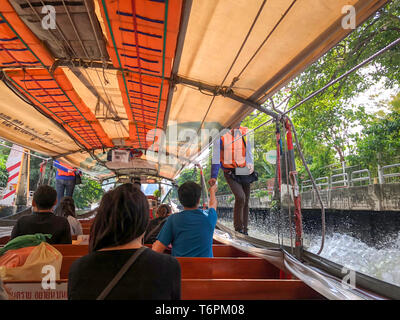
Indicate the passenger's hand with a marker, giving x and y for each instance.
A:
(213, 188)
(212, 181)
(250, 166)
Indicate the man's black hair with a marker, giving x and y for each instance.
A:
(189, 194)
(45, 197)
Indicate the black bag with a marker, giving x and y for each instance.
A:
(78, 179)
(243, 179)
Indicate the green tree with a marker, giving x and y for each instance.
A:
(87, 193)
(379, 141)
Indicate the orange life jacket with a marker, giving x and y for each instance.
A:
(66, 173)
(233, 153)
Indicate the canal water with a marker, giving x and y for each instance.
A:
(378, 257)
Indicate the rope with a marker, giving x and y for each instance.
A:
(266, 39)
(233, 63)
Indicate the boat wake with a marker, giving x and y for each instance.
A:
(382, 263)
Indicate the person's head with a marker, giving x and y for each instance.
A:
(136, 182)
(44, 198)
(163, 211)
(122, 217)
(189, 194)
(67, 207)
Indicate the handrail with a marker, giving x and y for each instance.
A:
(307, 186)
(345, 180)
(359, 172)
(322, 184)
(390, 175)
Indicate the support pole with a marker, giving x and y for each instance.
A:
(296, 191)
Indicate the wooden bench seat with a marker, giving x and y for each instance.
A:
(210, 268)
(219, 250)
(246, 289)
(191, 289)
(4, 240)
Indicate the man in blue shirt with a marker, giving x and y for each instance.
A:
(191, 231)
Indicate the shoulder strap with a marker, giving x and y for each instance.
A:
(121, 273)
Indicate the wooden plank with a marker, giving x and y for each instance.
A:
(219, 250)
(222, 250)
(246, 289)
(192, 289)
(72, 249)
(227, 268)
(4, 240)
(210, 268)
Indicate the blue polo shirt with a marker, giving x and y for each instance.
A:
(190, 232)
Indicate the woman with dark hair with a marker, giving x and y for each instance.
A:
(118, 266)
(66, 208)
(156, 224)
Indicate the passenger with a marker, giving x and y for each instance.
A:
(117, 234)
(66, 209)
(137, 183)
(190, 232)
(156, 224)
(42, 220)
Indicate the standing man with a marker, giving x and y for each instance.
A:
(65, 180)
(236, 160)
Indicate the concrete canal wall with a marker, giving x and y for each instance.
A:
(376, 197)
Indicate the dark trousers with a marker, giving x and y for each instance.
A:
(64, 188)
(241, 208)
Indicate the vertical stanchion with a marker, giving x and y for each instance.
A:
(296, 191)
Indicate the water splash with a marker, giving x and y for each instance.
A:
(352, 253)
(382, 263)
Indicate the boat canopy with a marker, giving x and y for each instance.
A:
(81, 78)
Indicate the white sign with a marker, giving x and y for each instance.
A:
(120, 156)
(270, 156)
(34, 291)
